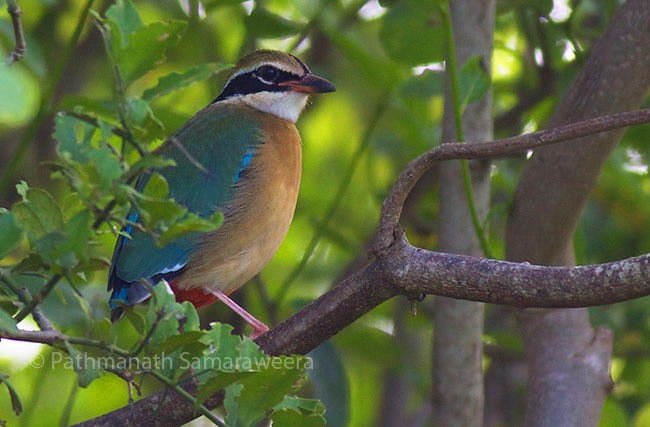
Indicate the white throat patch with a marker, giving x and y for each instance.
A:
(287, 105)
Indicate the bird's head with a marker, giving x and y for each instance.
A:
(274, 82)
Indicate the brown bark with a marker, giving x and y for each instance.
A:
(567, 357)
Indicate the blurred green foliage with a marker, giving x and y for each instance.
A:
(83, 127)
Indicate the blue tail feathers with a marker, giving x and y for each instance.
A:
(127, 294)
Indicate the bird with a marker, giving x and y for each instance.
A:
(240, 155)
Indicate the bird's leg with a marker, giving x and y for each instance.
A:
(258, 327)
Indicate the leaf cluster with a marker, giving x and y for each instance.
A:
(103, 152)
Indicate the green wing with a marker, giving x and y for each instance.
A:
(209, 151)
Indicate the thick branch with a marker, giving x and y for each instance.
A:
(520, 284)
(408, 270)
(402, 269)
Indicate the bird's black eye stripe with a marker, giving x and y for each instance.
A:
(265, 78)
(267, 74)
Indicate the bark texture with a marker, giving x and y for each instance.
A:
(569, 361)
(458, 325)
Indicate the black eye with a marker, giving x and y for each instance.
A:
(267, 74)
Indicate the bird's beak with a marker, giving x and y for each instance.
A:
(310, 83)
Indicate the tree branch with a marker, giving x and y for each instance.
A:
(408, 270)
(392, 206)
(21, 46)
(402, 269)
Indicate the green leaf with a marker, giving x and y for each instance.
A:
(31, 263)
(216, 380)
(137, 320)
(157, 215)
(175, 81)
(225, 344)
(143, 120)
(156, 187)
(68, 248)
(87, 369)
(71, 205)
(178, 342)
(85, 306)
(146, 48)
(21, 189)
(137, 48)
(89, 162)
(473, 80)
(66, 130)
(38, 214)
(412, 32)
(267, 388)
(103, 329)
(10, 232)
(163, 315)
(151, 162)
(167, 219)
(138, 110)
(223, 364)
(289, 418)
(16, 405)
(125, 20)
(231, 405)
(296, 411)
(47, 248)
(79, 232)
(251, 351)
(7, 323)
(264, 24)
(302, 404)
(191, 224)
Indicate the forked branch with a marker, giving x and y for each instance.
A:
(399, 268)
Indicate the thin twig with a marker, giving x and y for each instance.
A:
(39, 317)
(176, 142)
(21, 45)
(95, 122)
(54, 337)
(145, 341)
(38, 298)
(14, 286)
(119, 89)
